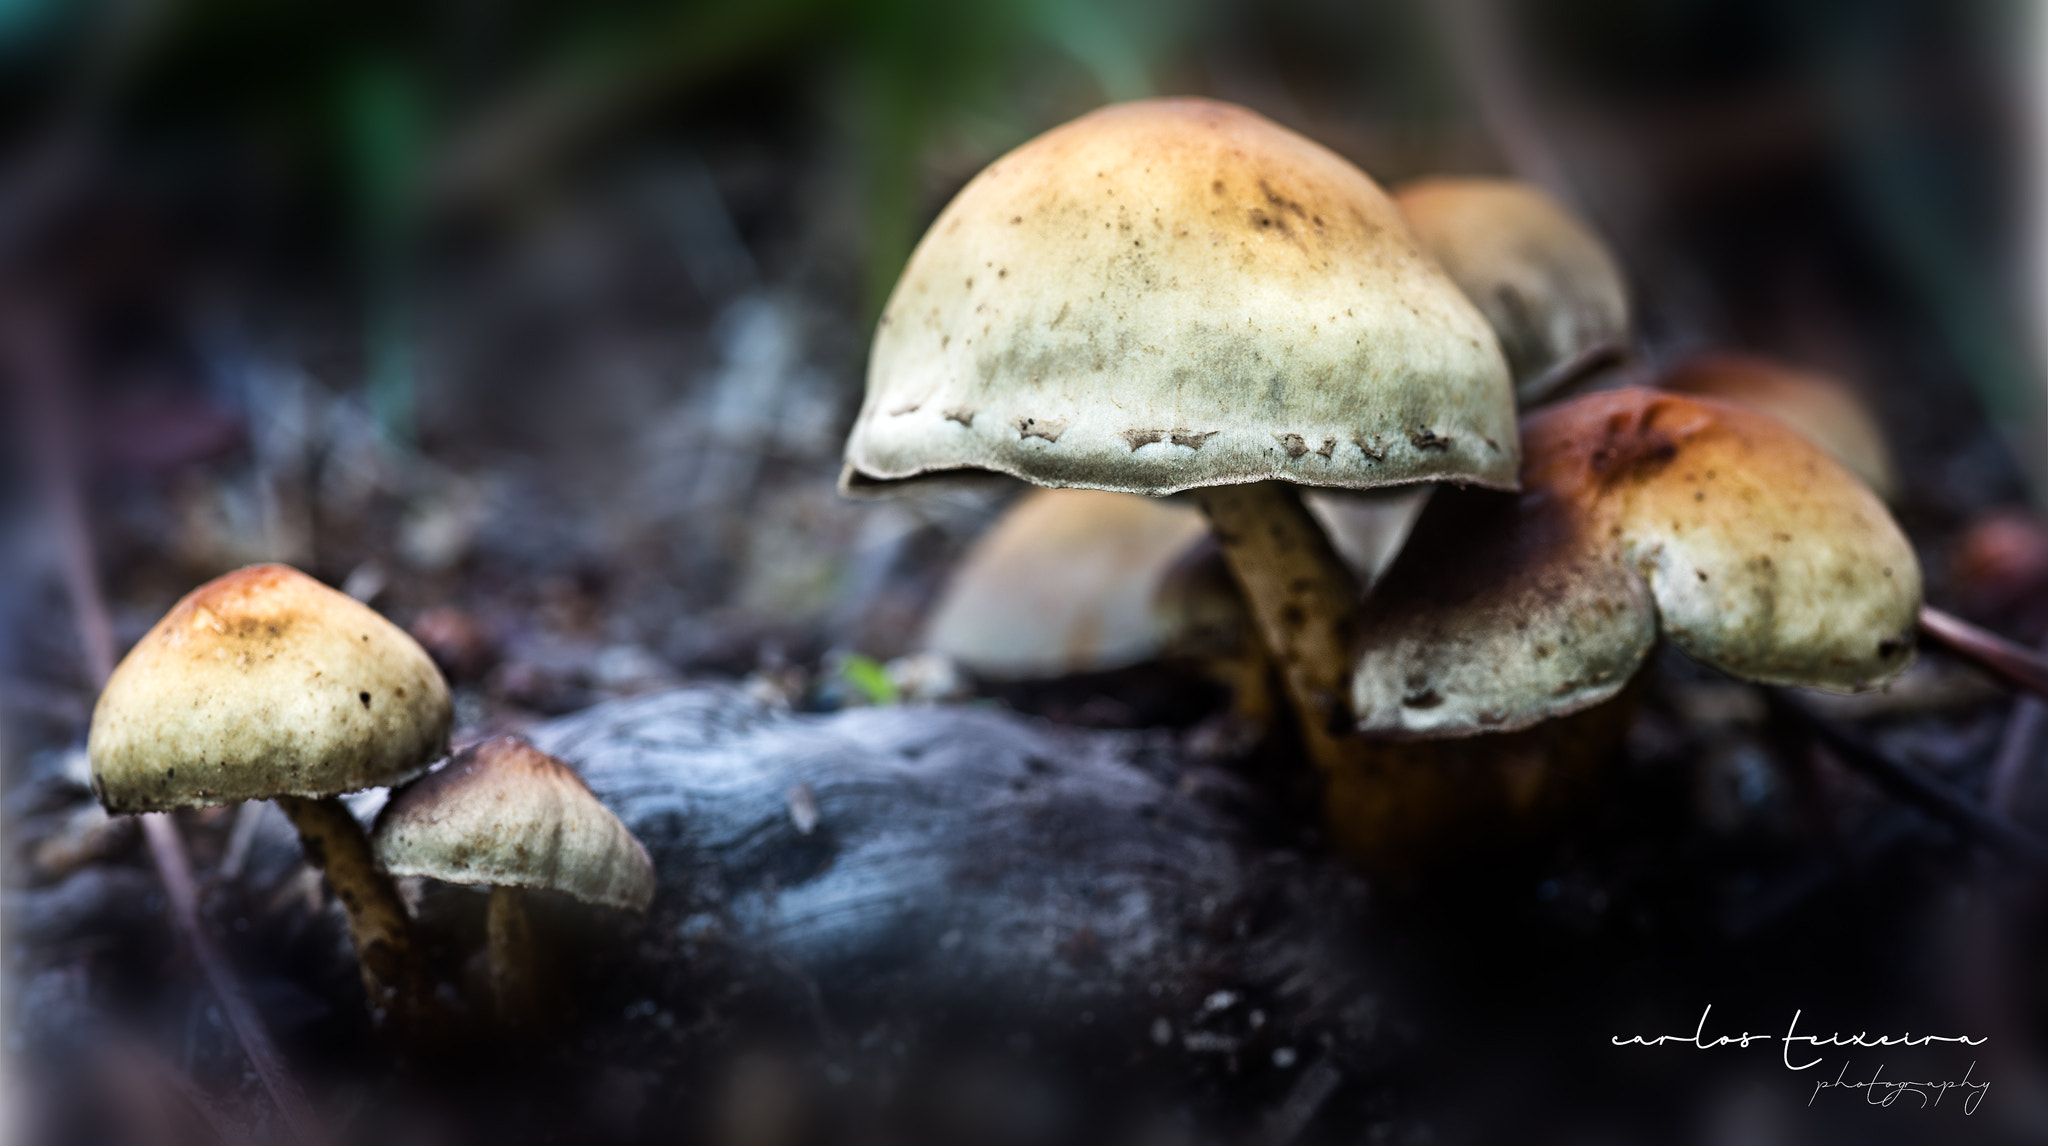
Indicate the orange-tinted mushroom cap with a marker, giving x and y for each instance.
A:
(1736, 538)
(1813, 404)
(260, 683)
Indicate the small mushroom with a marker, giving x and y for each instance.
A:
(265, 684)
(1817, 406)
(1081, 581)
(1178, 294)
(505, 815)
(1642, 515)
(1553, 293)
(1064, 583)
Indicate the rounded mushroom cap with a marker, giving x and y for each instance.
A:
(1063, 583)
(1543, 280)
(1817, 406)
(505, 814)
(1747, 546)
(1177, 293)
(264, 682)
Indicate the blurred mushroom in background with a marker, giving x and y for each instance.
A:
(1551, 290)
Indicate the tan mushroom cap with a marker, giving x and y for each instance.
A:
(1747, 546)
(1177, 293)
(505, 814)
(1078, 580)
(1544, 281)
(260, 683)
(1813, 404)
(1063, 583)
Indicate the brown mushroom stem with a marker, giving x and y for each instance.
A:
(1302, 598)
(509, 941)
(2015, 664)
(334, 842)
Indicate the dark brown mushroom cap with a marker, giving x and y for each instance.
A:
(1740, 541)
(505, 814)
(264, 682)
(1177, 293)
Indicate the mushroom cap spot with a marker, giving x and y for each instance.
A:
(505, 814)
(1746, 545)
(253, 686)
(1548, 286)
(1821, 408)
(1180, 265)
(1063, 583)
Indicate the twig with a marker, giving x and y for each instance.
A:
(2015, 664)
(32, 355)
(1914, 786)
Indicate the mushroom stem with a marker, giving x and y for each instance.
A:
(509, 939)
(2015, 664)
(1302, 598)
(335, 843)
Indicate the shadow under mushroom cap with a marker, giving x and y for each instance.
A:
(1739, 541)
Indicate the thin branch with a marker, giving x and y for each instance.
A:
(2015, 664)
(1915, 786)
(33, 356)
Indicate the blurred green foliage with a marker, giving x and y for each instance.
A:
(398, 114)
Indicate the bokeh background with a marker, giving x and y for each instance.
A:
(540, 325)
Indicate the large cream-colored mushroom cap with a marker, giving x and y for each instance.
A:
(1744, 544)
(1817, 406)
(1177, 293)
(262, 683)
(505, 814)
(1544, 281)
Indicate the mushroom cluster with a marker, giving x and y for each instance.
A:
(1178, 295)
(265, 684)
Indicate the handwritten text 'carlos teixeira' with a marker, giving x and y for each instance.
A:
(1891, 1091)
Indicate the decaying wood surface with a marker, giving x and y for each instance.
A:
(931, 848)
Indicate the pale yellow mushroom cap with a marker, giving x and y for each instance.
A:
(1744, 544)
(1544, 281)
(1064, 583)
(505, 814)
(1177, 293)
(1081, 580)
(262, 683)
(1819, 407)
